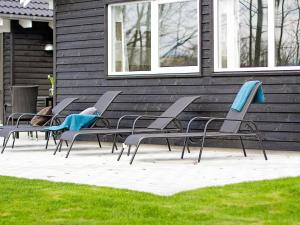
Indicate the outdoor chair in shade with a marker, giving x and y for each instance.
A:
(11, 130)
(161, 123)
(23, 100)
(230, 128)
(101, 105)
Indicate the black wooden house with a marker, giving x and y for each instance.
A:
(156, 51)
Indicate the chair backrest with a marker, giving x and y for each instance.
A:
(62, 105)
(173, 111)
(105, 100)
(230, 126)
(24, 99)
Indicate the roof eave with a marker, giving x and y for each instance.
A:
(33, 18)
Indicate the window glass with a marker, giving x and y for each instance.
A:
(253, 31)
(131, 37)
(153, 37)
(178, 34)
(257, 34)
(287, 24)
(242, 33)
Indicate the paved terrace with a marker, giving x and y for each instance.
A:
(155, 170)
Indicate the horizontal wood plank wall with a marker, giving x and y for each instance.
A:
(6, 70)
(81, 56)
(31, 64)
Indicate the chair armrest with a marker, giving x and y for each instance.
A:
(212, 119)
(124, 117)
(11, 117)
(32, 115)
(152, 117)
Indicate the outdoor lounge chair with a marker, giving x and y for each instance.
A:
(160, 124)
(101, 105)
(9, 130)
(230, 128)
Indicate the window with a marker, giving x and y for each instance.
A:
(257, 34)
(152, 37)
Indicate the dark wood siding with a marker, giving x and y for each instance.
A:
(27, 63)
(80, 72)
(6, 68)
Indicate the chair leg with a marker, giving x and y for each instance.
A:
(243, 146)
(169, 146)
(47, 141)
(99, 142)
(58, 147)
(14, 140)
(134, 153)
(36, 135)
(188, 148)
(67, 144)
(5, 144)
(114, 146)
(184, 147)
(201, 149)
(121, 153)
(54, 139)
(262, 146)
(70, 148)
(129, 148)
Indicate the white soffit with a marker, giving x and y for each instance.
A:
(51, 25)
(26, 2)
(4, 25)
(25, 23)
(51, 4)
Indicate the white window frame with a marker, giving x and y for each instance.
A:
(271, 44)
(155, 69)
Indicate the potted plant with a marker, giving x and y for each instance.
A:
(52, 82)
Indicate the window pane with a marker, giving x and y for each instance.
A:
(287, 31)
(178, 34)
(131, 37)
(242, 33)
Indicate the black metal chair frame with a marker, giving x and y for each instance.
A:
(101, 105)
(7, 131)
(188, 135)
(119, 132)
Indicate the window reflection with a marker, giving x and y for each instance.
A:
(287, 31)
(178, 34)
(131, 37)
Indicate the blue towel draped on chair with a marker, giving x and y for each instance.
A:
(75, 122)
(245, 92)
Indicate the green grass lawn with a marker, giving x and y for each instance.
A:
(33, 202)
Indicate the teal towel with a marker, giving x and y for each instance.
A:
(75, 122)
(244, 93)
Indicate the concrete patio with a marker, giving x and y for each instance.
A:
(155, 170)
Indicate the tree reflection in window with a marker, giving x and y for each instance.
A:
(287, 31)
(253, 33)
(132, 37)
(178, 34)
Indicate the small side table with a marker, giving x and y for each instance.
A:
(48, 100)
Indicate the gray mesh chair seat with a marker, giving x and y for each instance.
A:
(136, 138)
(160, 124)
(230, 128)
(70, 135)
